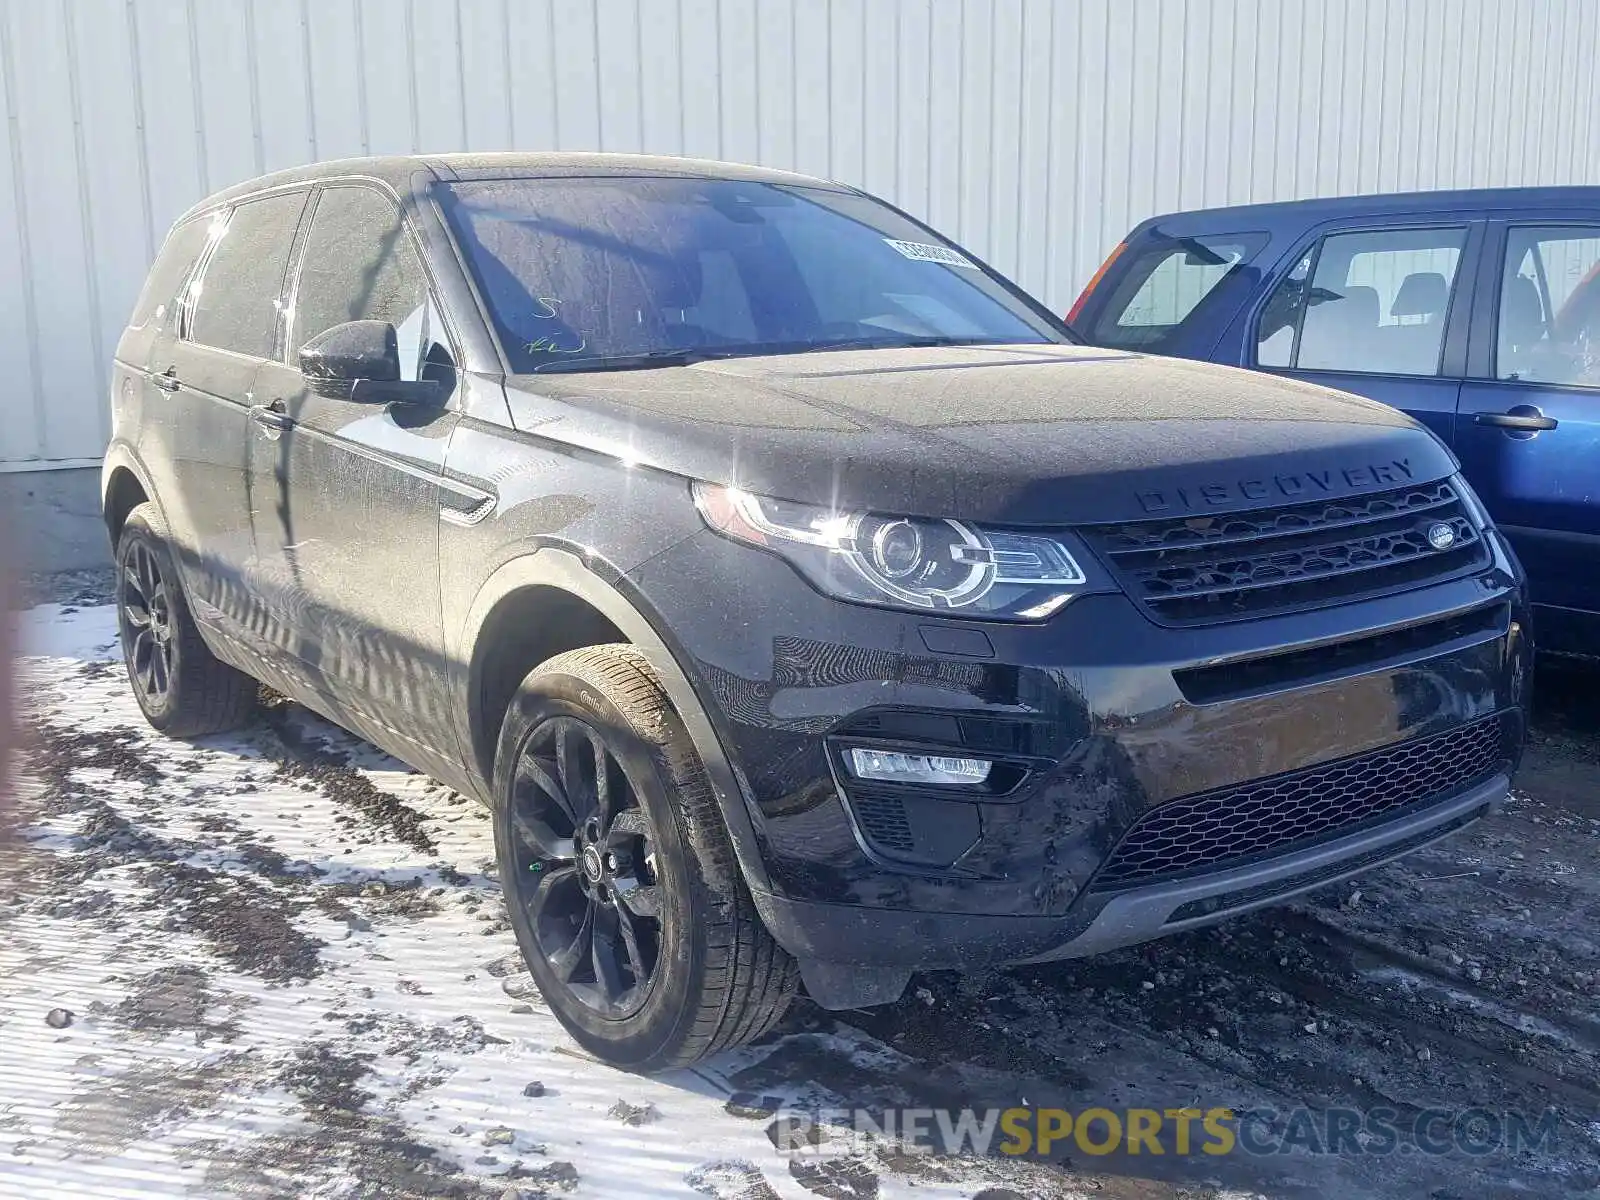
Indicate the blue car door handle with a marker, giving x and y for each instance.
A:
(1522, 422)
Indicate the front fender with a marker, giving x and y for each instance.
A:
(563, 570)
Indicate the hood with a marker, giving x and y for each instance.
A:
(1021, 435)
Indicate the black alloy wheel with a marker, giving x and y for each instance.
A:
(144, 607)
(180, 686)
(586, 872)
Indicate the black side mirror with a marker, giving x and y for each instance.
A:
(360, 361)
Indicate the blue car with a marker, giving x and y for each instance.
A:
(1476, 312)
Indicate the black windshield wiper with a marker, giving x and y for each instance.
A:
(667, 356)
(1197, 254)
(897, 343)
(683, 356)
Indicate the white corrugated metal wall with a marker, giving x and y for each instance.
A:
(1035, 131)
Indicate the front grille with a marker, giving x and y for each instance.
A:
(1271, 816)
(1196, 570)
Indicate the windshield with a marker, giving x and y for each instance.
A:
(578, 272)
(1165, 287)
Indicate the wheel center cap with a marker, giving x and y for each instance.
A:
(593, 866)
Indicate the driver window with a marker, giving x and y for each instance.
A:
(360, 264)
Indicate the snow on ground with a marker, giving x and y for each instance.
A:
(277, 964)
(68, 633)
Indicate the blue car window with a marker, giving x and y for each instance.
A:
(1549, 319)
(1373, 302)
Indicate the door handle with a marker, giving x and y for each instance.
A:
(167, 381)
(272, 417)
(1523, 422)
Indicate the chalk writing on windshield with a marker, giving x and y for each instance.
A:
(546, 345)
(546, 311)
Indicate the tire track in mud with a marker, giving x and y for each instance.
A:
(1416, 1047)
(246, 914)
(376, 1152)
(1474, 999)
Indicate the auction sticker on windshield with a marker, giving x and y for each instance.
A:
(923, 252)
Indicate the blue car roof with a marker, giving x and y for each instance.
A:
(1308, 212)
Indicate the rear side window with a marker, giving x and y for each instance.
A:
(172, 266)
(1370, 303)
(1549, 321)
(234, 304)
(1164, 286)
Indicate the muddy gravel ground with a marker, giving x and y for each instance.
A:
(277, 963)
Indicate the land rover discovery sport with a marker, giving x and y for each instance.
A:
(806, 605)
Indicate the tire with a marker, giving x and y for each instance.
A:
(197, 693)
(717, 978)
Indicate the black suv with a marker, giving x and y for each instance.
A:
(807, 606)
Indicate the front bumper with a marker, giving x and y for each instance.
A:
(1107, 921)
(1102, 715)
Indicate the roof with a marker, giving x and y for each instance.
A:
(1398, 202)
(397, 169)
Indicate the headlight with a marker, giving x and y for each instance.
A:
(904, 562)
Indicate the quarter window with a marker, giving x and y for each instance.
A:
(176, 259)
(1376, 304)
(1549, 321)
(234, 303)
(360, 265)
(1280, 320)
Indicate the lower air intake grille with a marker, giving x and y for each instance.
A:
(1231, 901)
(1271, 816)
(883, 820)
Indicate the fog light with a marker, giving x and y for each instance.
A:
(917, 768)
